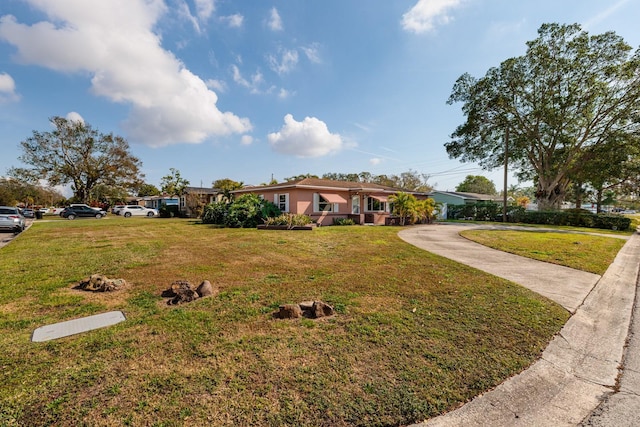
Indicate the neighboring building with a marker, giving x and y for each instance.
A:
(185, 202)
(325, 200)
(451, 198)
(194, 196)
(459, 198)
(156, 202)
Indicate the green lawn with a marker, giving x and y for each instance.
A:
(580, 251)
(414, 334)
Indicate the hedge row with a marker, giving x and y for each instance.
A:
(487, 211)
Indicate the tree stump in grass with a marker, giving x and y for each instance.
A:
(181, 291)
(100, 283)
(308, 309)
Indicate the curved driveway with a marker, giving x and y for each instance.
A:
(566, 286)
(579, 370)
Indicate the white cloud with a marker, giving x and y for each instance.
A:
(375, 161)
(360, 126)
(312, 53)
(246, 140)
(287, 61)
(283, 93)
(426, 14)
(7, 89)
(185, 13)
(114, 42)
(75, 117)
(275, 22)
(237, 77)
(205, 8)
(233, 21)
(257, 79)
(308, 138)
(216, 85)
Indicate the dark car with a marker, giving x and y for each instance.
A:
(73, 212)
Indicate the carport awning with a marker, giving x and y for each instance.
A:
(379, 198)
(333, 198)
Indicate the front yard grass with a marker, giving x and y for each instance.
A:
(414, 335)
(580, 251)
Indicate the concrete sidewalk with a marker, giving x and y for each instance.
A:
(579, 370)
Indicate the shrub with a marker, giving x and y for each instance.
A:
(290, 220)
(612, 222)
(570, 217)
(343, 221)
(481, 211)
(580, 218)
(269, 210)
(247, 211)
(546, 217)
(516, 213)
(215, 213)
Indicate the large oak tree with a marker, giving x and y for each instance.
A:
(568, 96)
(75, 153)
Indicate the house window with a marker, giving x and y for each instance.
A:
(282, 201)
(375, 205)
(355, 204)
(322, 204)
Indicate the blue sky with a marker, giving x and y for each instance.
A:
(251, 90)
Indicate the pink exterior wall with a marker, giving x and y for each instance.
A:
(301, 202)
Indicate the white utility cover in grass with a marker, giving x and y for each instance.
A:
(76, 326)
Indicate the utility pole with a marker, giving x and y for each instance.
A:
(506, 161)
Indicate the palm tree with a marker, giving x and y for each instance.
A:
(425, 209)
(403, 205)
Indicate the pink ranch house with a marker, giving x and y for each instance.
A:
(325, 200)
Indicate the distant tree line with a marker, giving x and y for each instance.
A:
(409, 181)
(14, 192)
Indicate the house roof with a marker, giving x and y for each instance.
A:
(201, 190)
(324, 184)
(469, 196)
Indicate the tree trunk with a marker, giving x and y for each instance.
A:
(578, 191)
(599, 200)
(550, 194)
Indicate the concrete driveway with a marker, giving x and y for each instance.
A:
(577, 380)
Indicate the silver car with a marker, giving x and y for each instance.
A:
(135, 210)
(11, 219)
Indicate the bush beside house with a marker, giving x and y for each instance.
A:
(246, 211)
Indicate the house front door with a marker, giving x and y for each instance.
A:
(355, 204)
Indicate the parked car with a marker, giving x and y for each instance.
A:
(79, 211)
(135, 210)
(116, 209)
(74, 205)
(11, 219)
(28, 213)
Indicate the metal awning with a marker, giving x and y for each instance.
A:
(333, 198)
